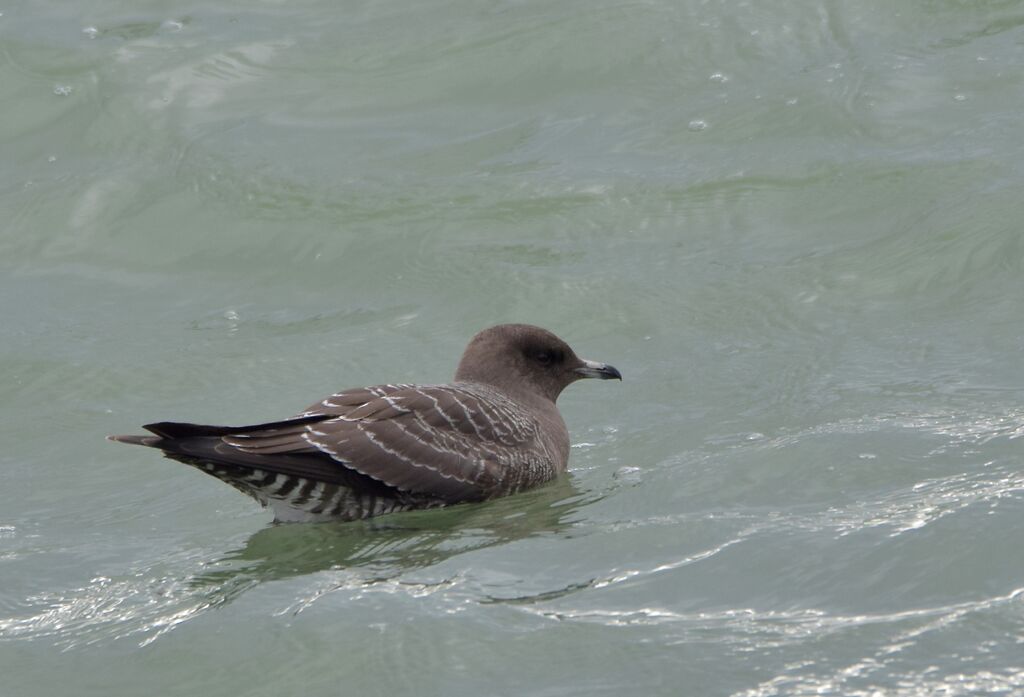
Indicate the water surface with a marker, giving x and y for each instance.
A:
(795, 227)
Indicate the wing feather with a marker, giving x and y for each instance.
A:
(449, 441)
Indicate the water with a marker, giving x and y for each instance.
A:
(795, 227)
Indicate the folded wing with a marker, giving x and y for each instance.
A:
(450, 442)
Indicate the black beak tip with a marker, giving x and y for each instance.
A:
(601, 371)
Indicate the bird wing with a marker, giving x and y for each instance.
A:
(453, 442)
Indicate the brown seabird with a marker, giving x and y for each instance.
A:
(493, 431)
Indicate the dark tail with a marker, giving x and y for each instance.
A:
(171, 430)
(201, 445)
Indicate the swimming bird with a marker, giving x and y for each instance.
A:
(493, 431)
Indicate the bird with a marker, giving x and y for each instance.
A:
(493, 431)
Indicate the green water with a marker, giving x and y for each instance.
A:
(794, 226)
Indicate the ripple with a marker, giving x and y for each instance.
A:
(107, 609)
(929, 501)
(908, 506)
(883, 664)
(923, 683)
(201, 84)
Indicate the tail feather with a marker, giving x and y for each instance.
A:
(151, 441)
(176, 429)
(201, 445)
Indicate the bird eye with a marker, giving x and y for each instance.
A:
(544, 358)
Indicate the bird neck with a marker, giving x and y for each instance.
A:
(513, 385)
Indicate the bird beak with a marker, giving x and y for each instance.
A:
(593, 369)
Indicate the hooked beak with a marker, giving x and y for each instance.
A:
(603, 371)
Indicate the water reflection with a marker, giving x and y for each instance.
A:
(385, 548)
(150, 600)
